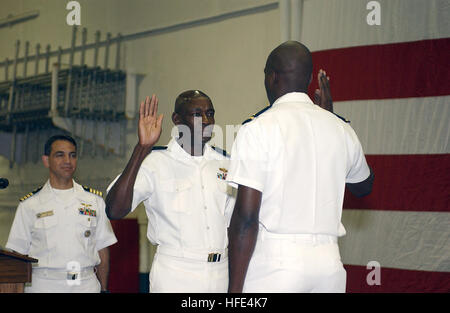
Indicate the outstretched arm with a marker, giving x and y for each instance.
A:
(243, 232)
(120, 197)
(323, 99)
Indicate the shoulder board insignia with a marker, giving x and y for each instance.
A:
(92, 190)
(342, 118)
(256, 114)
(31, 194)
(221, 151)
(159, 148)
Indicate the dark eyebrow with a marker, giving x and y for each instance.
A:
(199, 110)
(59, 151)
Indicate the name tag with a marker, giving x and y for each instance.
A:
(44, 214)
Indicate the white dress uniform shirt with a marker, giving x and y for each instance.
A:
(185, 198)
(60, 229)
(300, 157)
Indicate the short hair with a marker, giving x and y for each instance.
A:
(52, 139)
(293, 61)
(187, 96)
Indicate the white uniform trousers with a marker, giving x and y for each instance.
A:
(295, 263)
(55, 281)
(192, 272)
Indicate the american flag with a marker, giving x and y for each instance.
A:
(392, 82)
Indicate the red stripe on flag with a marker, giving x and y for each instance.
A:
(398, 70)
(124, 257)
(396, 280)
(406, 183)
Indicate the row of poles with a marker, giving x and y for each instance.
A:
(77, 92)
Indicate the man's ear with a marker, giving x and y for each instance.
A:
(272, 79)
(176, 118)
(45, 161)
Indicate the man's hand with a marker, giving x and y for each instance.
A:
(149, 129)
(103, 268)
(322, 95)
(120, 198)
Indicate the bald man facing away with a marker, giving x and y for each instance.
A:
(292, 164)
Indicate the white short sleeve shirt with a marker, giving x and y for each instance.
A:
(186, 198)
(58, 230)
(300, 157)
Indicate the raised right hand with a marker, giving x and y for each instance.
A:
(149, 129)
(323, 94)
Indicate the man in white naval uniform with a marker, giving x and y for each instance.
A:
(184, 190)
(64, 226)
(292, 163)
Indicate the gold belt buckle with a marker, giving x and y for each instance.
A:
(72, 275)
(214, 257)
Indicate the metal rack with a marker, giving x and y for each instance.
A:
(67, 96)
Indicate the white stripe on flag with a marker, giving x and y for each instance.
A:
(343, 23)
(400, 126)
(407, 240)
